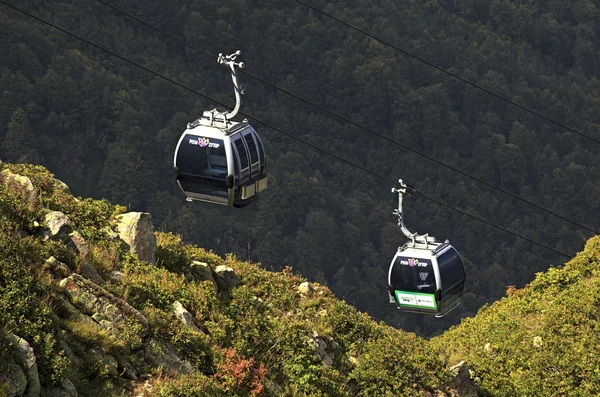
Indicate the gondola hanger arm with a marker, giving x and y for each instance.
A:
(413, 237)
(230, 61)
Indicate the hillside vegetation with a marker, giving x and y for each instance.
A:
(542, 340)
(79, 311)
(82, 314)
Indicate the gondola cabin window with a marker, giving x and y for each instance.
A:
(452, 274)
(205, 163)
(413, 274)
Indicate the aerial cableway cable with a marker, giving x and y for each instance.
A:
(277, 129)
(439, 162)
(448, 72)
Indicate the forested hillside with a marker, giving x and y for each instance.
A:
(109, 129)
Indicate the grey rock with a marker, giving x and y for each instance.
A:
(69, 387)
(160, 353)
(57, 226)
(320, 348)
(136, 229)
(305, 288)
(184, 316)
(116, 276)
(87, 270)
(105, 362)
(60, 185)
(128, 370)
(58, 268)
(461, 381)
(226, 277)
(78, 245)
(13, 381)
(91, 299)
(66, 389)
(25, 357)
(202, 272)
(70, 354)
(21, 184)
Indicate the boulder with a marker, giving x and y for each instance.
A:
(320, 348)
(136, 229)
(202, 272)
(65, 389)
(25, 357)
(461, 381)
(68, 387)
(184, 316)
(537, 341)
(76, 243)
(93, 300)
(57, 226)
(13, 380)
(226, 278)
(60, 185)
(105, 363)
(160, 353)
(22, 185)
(116, 276)
(58, 268)
(305, 288)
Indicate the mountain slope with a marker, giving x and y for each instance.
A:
(542, 340)
(82, 314)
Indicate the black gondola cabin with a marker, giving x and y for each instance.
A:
(223, 165)
(427, 280)
(218, 160)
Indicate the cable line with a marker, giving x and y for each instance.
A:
(275, 128)
(463, 173)
(447, 72)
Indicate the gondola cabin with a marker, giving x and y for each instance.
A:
(218, 160)
(220, 164)
(425, 276)
(429, 281)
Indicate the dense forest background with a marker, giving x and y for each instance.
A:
(108, 129)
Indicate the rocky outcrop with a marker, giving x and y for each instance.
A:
(321, 347)
(200, 271)
(22, 185)
(60, 185)
(13, 381)
(106, 309)
(105, 363)
(160, 353)
(57, 226)
(25, 357)
(136, 229)
(184, 316)
(305, 288)
(226, 278)
(65, 389)
(462, 382)
(57, 268)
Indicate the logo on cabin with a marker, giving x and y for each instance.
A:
(413, 262)
(204, 142)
